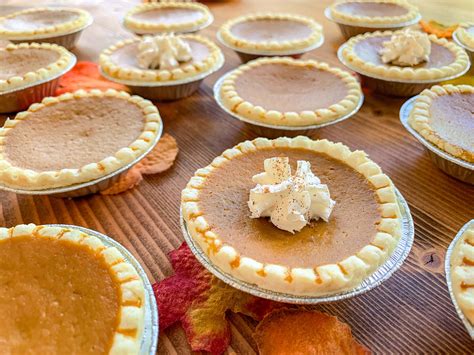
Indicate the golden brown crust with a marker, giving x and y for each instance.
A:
(462, 272)
(114, 70)
(406, 74)
(232, 100)
(65, 59)
(271, 46)
(76, 24)
(420, 119)
(15, 177)
(411, 16)
(324, 279)
(142, 27)
(128, 334)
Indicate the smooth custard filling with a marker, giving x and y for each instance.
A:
(351, 226)
(372, 9)
(265, 30)
(20, 61)
(169, 16)
(56, 297)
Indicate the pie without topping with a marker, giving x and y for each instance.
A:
(24, 64)
(74, 138)
(167, 17)
(120, 61)
(322, 258)
(362, 54)
(462, 273)
(465, 34)
(444, 116)
(63, 291)
(289, 92)
(44, 22)
(374, 12)
(271, 32)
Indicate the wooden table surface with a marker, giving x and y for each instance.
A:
(411, 312)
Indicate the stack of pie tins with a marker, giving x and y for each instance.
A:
(94, 284)
(332, 96)
(453, 281)
(239, 262)
(451, 165)
(355, 17)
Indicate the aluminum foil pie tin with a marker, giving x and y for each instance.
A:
(67, 40)
(275, 131)
(166, 91)
(88, 187)
(394, 87)
(149, 340)
(21, 98)
(349, 30)
(380, 275)
(447, 268)
(248, 55)
(457, 168)
(469, 51)
(193, 30)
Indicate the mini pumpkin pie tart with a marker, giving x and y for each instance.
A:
(167, 17)
(290, 92)
(461, 273)
(64, 283)
(333, 216)
(75, 138)
(444, 116)
(410, 58)
(46, 24)
(26, 64)
(269, 34)
(465, 34)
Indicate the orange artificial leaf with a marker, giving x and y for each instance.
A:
(300, 331)
(199, 301)
(161, 158)
(128, 181)
(86, 75)
(438, 29)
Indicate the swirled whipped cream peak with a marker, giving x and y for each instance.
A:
(406, 48)
(163, 52)
(291, 201)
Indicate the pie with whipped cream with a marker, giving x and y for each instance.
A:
(374, 13)
(380, 54)
(65, 292)
(339, 244)
(167, 17)
(444, 116)
(44, 22)
(290, 92)
(75, 137)
(161, 58)
(271, 32)
(465, 34)
(26, 64)
(462, 272)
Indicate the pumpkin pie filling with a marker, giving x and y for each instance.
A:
(168, 16)
(73, 133)
(20, 61)
(452, 118)
(289, 88)
(263, 30)
(38, 19)
(369, 48)
(372, 9)
(55, 297)
(352, 225)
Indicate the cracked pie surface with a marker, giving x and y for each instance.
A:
(321, 258)
(64, 283)
(75, 137)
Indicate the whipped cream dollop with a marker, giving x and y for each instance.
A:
(291, 201)
(406, 48)
(163, 52)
